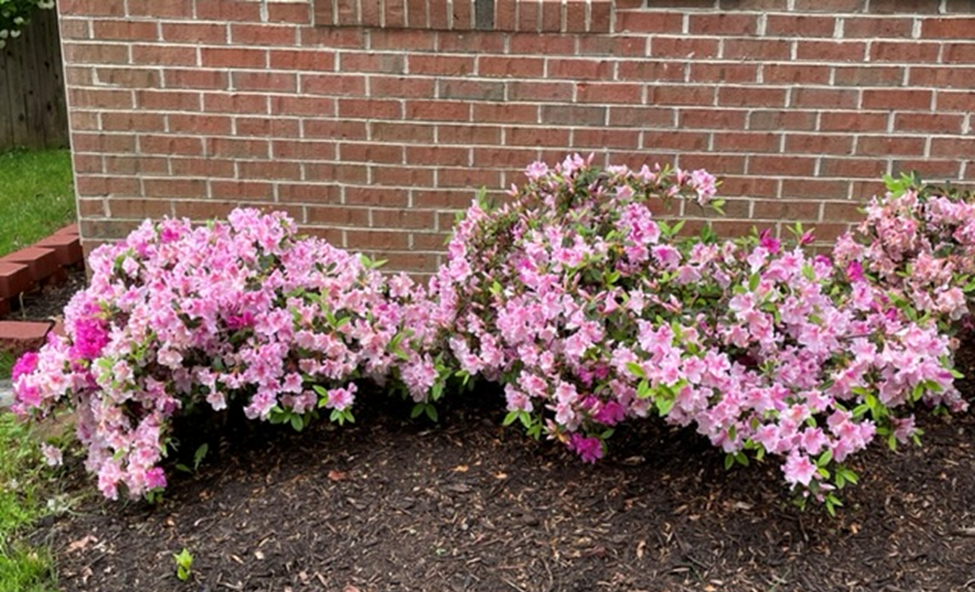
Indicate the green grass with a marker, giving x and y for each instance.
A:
(6, 364)
(36, 196)
(22, 477)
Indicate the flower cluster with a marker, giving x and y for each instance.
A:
(243, 313)
(918, 241)
(591, 311)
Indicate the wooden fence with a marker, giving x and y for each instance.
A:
(32, 107)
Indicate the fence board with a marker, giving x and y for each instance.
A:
(32, 105)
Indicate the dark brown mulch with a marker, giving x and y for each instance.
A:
(467, 505)
(388, 504)
(47, 303)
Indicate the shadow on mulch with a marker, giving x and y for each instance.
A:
(468, 505)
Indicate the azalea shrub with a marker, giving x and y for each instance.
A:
(178, 319)
(592, 312)
(573, 295)
(918, 242)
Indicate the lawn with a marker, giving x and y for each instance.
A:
(36, 198)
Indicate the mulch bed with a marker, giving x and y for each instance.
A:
(388, 504)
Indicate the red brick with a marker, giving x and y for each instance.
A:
(171, 145)
(42, 263)
(438, 110)
(676, 140)
(680, 95)
(472, 42)
(651, 70)
(684, 47)
(821, 98)
(510, 66)
(162, 55)
(734, 73)
(796, 166)
(527, 91)
(156, 9)
(18, 337)
(128, 77)
(853, 122)
(175, 187)
(235, 57)
(609, 93)
(468, 134)
(238, 148)
(265, 81)
(387, 63)
(860, 76)
(793, 25)
(139, 209)
(634, 46)
(542, 44)
(897, 99)
(385, 131)
(15, 278)
(836, 145)
(304, 151)
(958, 53)
(602, 138)
(75, 54)
(649, 22)
(242, 190)
(338, 216)
(300, 105)
(132, 122)
(887, 146)
(228, 10)
(333, 84)
(756, 49)
(906, 52)
(830, 51)
(195, 79)
(401, 86)
(334, 129)
(238, 103)
(440, 65)
(712, 119)
(241, 34)
(90, 8)
(936, 123)
(69, 230)
(845, 168)
(534, 136)
(168, 100)
(727, 23)
(746, 142)
(878, 27)
(118, 30)
(100, 99)
(202, 167)
(189, 32)
(947, 28)
(942, 77)
(372, 153)
(744, 96)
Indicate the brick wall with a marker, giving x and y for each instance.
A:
(372, 121)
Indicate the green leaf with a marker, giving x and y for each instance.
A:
(636, 369)
(825, 458)
(509, 419)
(199, 455)
(297, 422)
(664, 406)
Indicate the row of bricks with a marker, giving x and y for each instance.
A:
(816, 15)
(679, 47)
(38, 264)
